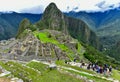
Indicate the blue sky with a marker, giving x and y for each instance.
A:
(38, 6)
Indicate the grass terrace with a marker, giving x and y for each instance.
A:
(44, 37)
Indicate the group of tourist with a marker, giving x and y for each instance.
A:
(102, 69)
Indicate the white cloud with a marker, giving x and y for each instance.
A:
(17, 5)
(64, 5)
(108, 4)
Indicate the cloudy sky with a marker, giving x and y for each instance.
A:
(38, 6)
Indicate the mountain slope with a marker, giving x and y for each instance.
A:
(97, 19)
(114, 51)
(9, 23)
(55, 20)
(105, 24)
(23, 25)
(6, 30)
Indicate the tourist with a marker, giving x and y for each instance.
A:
(75, 60)
(65, 61)
(93, 67)
(101, 69)
(97, 69)
(82, 65)
(89, 66)
(110, 69)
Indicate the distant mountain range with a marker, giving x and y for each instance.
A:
(97, 18)
(105, 24)
(9, 23)
(107, 27)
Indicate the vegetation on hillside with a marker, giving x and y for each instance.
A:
(96, 56)
(9, 23)
(107, 27)
(23, 26)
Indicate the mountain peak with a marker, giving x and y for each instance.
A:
(51, 11)
(52, 5)
(53, 18)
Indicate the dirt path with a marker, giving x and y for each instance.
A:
(4, 80)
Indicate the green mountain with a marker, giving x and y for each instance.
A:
(54, 19)
(106, 25)
(9, 23)
(23, 25)
(114, 51)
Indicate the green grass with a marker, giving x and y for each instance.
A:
(32, 72)
(38, 66)
(39, 72)
(51, 75)
(20, 71)
(6, 50)
(80, 51)
(61, 63)
(95, 78)
(44, 37)
(56, 76)
(79, 47)
(116, 74)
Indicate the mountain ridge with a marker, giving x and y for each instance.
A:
(9, 23)
(105, 25)
(54, 19)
